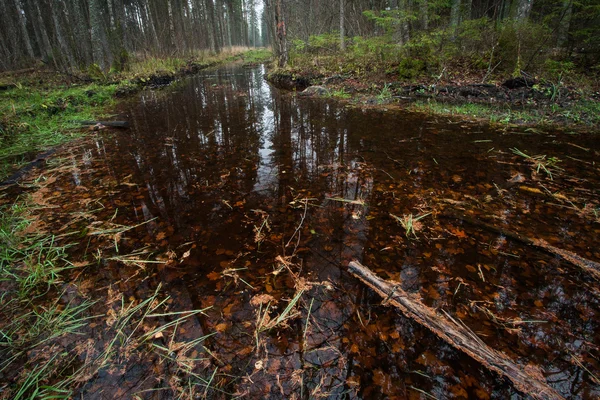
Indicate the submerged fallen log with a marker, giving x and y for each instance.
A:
(589, 266)
(112, 124)
(21, 172)
(528, 380)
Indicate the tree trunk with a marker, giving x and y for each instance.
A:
(10, 33)
(455, 14)
(49, 50)
(342, 31)
(150, 28)
(66, 51)
(98, 35)
(80, 33)
(521, 9)
(212, 20)
(278, 30)
(562, 36)
(424, 11)
(23, 28)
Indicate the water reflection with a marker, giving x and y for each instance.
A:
(236, 176)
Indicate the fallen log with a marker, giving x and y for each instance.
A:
(528, 380)
(589, 266)
(21, 172)
(112, 124)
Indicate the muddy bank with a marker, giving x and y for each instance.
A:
(286, 80)
(542, 102)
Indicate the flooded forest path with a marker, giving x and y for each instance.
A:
(249, 202)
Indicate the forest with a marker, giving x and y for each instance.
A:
(299, 199)
(551, 36)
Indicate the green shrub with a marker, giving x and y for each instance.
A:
(410, 68)
(522, 45)
(368, 50)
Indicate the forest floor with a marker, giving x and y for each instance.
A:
(467, 94)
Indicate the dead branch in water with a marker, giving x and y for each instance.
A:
(589, 266)
(112, 124)
(527, 379)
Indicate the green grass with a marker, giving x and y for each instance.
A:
(340, 94)
(37, 322)
(36, 119)
(257, 56)
(152, 65)
(583, 112)
(385, 94)
(30, 266)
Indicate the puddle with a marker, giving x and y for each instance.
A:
(239, 187)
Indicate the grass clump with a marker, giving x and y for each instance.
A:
(257, 56)
(582, 112)
(34, 120)
(340, 94)
(48, 344)
(151, 65)
(410, 223)
(539, 162)
(30, 267)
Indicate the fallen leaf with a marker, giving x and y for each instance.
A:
(213, 276)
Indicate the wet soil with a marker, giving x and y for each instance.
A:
(543, 99)
(241, 190)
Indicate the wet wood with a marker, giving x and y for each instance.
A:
(589, 266)
(112, 124)
(19, 174)
(528, 380)
(7, 86)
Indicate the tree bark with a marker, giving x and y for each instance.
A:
(48, 48)
(66, 51)
(23, 28)
(521, 9)
(278, 30)
(455, 14)
(212, 20)
(342, 31)
(564, 24)
(98, 35)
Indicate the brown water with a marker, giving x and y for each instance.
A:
(235, 176)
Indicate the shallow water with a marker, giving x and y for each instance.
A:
(238, 186)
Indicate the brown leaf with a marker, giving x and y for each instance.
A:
(213, 276)
(261, 299)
